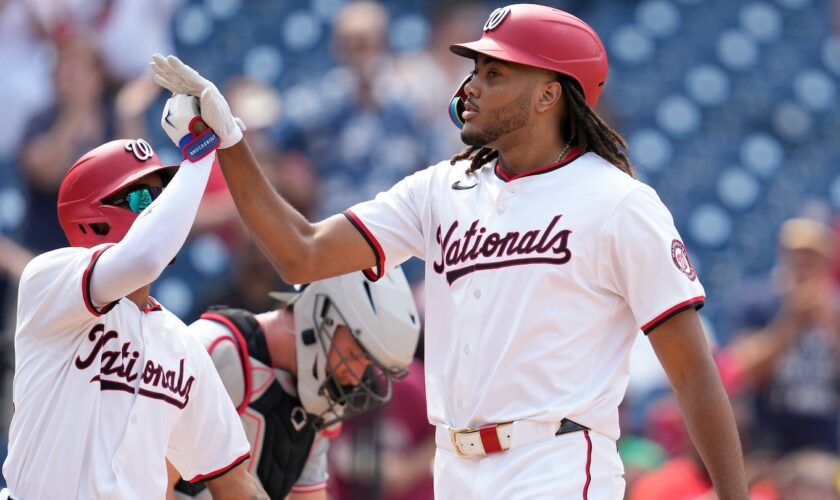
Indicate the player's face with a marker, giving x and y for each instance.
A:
(346, 361)
(498, 101)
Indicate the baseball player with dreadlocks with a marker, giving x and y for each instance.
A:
(328, 353)
(544, 258)
(108, 384)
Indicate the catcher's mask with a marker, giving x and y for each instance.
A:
(355, 331)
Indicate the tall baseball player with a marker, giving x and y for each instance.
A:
(329, 353)
(544, 257)
(108, 384)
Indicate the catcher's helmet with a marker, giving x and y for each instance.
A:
(100, 173)
(542, 37)
(384, 322)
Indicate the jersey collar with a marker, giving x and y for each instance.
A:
(573, 154)
(153, 305)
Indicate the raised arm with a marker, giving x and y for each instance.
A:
(161, 228)
(300, 251)
(682, 349)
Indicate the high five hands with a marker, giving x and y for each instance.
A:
(172, 74)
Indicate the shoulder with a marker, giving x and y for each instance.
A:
(210, 333)
(610, 177)
(48, 269)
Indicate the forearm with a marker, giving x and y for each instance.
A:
(284, 235)
(47, 156)
(237, 484)
(155, 237)
(711, 425)
(758, 351)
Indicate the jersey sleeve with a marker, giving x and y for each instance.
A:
(54, 293)
(643, 259)
(392, 223)
(314, 475)
(208, 439)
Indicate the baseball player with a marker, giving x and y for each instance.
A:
(357, 335)
(544, 258)
(108, 383)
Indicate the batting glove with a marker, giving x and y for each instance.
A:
(183, 124)
(171, 73)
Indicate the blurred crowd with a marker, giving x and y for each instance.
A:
(75, 76)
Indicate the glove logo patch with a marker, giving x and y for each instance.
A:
(142, 150)
(496, 18)
(681, 260)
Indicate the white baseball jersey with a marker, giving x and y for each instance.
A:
(102, 396)
(536, 285)
(222, 346)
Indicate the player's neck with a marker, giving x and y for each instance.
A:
(279, 329)
(140, 297)
(523, 152)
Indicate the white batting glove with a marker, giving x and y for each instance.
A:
(171, 73)
(183, 124)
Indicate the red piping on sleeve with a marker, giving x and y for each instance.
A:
(374, 245)
(220, 472)
(86, 286)
(697, 302)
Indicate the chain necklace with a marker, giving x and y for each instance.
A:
(563, 153)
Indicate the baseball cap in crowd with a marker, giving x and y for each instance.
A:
(807, 234)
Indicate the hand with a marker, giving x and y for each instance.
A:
(172, 74)
(182, 123)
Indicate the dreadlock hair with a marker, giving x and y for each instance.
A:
(581, 126)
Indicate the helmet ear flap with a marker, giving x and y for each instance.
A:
(456, 105)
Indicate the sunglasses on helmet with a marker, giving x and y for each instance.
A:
(138, 198)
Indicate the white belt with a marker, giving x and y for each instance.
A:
(5, 494)
(496, 438)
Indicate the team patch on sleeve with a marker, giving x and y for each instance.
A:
(680, 256)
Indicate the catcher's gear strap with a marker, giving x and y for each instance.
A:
(250, 342)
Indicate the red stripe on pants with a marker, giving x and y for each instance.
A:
(588, 463)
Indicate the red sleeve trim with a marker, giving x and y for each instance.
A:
(86, 286)
(696, 303)
(241, 348)
(220, 472)
(374, 245)
(307, 488)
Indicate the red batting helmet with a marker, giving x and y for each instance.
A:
(542, 37)
(100, 173)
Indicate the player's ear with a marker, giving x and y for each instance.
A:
(550, 95)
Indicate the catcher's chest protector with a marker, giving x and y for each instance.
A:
(288, 431)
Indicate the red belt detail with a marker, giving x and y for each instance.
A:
(490, 439)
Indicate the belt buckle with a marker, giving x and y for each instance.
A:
(453, 433)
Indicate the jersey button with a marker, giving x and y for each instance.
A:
(133, 419)
(477, 294)
(466, 350)
(460, 403)
(501, 210)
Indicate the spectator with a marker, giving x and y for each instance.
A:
(360, 138)
(787, 343)
(81, 119)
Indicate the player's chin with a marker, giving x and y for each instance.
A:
(471, 135)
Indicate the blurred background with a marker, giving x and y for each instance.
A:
(730, 108)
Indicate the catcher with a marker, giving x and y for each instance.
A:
(327, 353)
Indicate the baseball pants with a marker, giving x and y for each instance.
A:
(578, 465)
